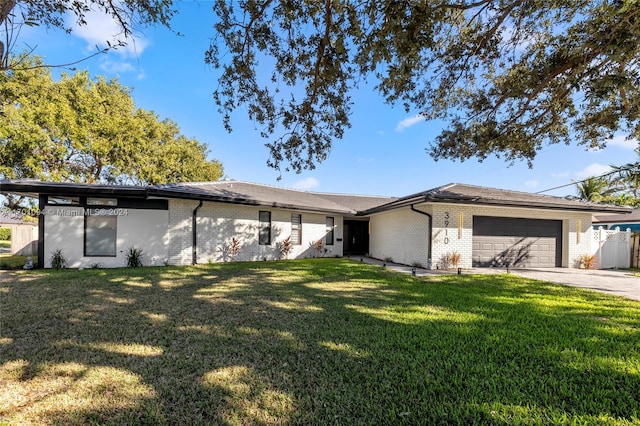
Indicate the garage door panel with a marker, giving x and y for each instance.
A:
(516, 242)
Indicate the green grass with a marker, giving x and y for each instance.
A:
(323, 341)
(8, 261)
(5, 244)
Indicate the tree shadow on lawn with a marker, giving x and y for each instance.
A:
(304, 342)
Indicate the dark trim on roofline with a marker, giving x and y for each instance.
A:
(243, 201)
(495, 203)
(34, 189)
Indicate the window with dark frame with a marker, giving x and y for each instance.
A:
(296, 229)
(63, 201)
(264, 232)
(328, 240)
(100, 233)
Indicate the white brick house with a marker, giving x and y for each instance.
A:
(183, 224)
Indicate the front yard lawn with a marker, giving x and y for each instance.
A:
(324, 341)
(9, 261)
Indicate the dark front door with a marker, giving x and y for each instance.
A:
(356, 237)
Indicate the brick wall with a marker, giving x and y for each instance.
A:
(402, 234)
(219, 223)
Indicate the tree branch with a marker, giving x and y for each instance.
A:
(321, 48)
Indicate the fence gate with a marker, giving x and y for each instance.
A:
(612, 248)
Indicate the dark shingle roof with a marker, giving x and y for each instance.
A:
(272, 196)
(633, 217)
(470, 194)
(9, 219)
(276, 197)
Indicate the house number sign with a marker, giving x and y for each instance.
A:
(446, 225)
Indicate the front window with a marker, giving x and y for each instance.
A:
(100, 231)
(296, 229)
(102, 201)
(329, 231)
(63, 201)
(264, 233)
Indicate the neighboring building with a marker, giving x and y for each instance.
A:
(622, 221)
(7, 220)
(188, 223)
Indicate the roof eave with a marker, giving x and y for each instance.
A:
(242, 201)
(478, 201)
(34, 189)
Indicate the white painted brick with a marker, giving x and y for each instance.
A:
(219, 223)
(401, 234)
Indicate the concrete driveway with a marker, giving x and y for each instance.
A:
(618, 282)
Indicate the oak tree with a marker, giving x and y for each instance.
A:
(508, 76)
(82, 129)
(129, 16)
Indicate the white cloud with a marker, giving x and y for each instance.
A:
(594, 169)
(408, 122)
(101, 28)
(560, 175)
(306, 183)
(622, 142)
(112, 67)
(532, 183)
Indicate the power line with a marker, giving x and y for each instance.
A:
(621, 169)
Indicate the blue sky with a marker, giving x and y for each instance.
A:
(382, 154)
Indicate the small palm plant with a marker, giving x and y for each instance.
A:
(58, 261)
(588, 261)
(134, 257)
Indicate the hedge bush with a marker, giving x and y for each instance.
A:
(5, 234)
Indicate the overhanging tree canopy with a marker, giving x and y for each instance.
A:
(129, 15)
(508, 76)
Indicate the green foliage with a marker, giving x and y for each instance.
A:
(88, 130)
(134, 257)
(5, 234)
(126, 15)
(621, 186)
(58, 261)
(595, 189)
(8, 261)
(508, 77)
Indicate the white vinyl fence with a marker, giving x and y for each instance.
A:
(612, 248)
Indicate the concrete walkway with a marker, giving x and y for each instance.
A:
(617, 282)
